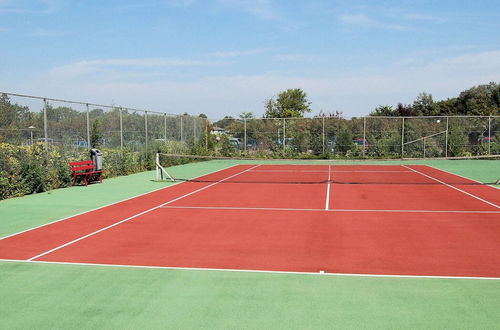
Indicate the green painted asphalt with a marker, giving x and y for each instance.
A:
(44, 296)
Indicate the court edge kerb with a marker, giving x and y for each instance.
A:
(110, 204)
(277, 272)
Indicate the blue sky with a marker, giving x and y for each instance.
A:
(222, 57)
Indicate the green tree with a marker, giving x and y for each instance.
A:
(223, 123)
(12, 114)
(447, 107)
(246, 115)
(288, 104)
(343, 142)
(96, 134)
(424, 105)
(383, 110)
(479, 100)
(457, 140)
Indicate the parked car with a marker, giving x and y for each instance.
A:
(362, 143)
(49, 141)
(235, 142)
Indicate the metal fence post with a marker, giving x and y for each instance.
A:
(165, 128)
(323, 132)
(88, 127)
(206, 134)
(182, 130)
(121, 131)
(194, 129)
(45, 128)
(403, 138)
(489, 135)
(284, 134)
(146, 128)
(245, 133)
(424, 146)
(364, 135)
(446, 138)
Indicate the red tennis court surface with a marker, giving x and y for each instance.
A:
(353, 219)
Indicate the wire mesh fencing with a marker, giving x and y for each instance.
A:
(77, 126)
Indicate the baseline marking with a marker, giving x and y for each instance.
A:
(100, 207)
(334, 171)
(329, 210)
(256, 271)
(136, 215)
(458, 189)
(327, 202)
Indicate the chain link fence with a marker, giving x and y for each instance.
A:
(364, 137)
(78, 126)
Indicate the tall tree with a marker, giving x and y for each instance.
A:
(383, 110)
(479, 100)
(246, 115)
(343, 142)
(289, 103)
(96, 134)
(424, 105)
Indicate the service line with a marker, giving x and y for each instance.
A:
(137, 215)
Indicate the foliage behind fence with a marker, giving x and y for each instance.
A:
(40, 135)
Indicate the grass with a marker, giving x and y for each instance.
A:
(35, 295)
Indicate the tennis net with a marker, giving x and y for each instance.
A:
(483, 170)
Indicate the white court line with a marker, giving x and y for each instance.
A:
(291, 171)
(334, 171)
(278, 272)
(458, 189)
(324, 210)
(137, 215)
(461, 176)
(123, 200)
(327, 202)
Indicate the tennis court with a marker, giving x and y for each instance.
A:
(397, 220)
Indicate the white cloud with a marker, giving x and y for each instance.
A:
(44, 7)
(91, 66)
(354, 93)
(238, 53)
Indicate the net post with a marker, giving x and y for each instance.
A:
(403, 138)
(88, 127)
(245, 134)
(160, 170)
(157, 161)
(446, 138)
